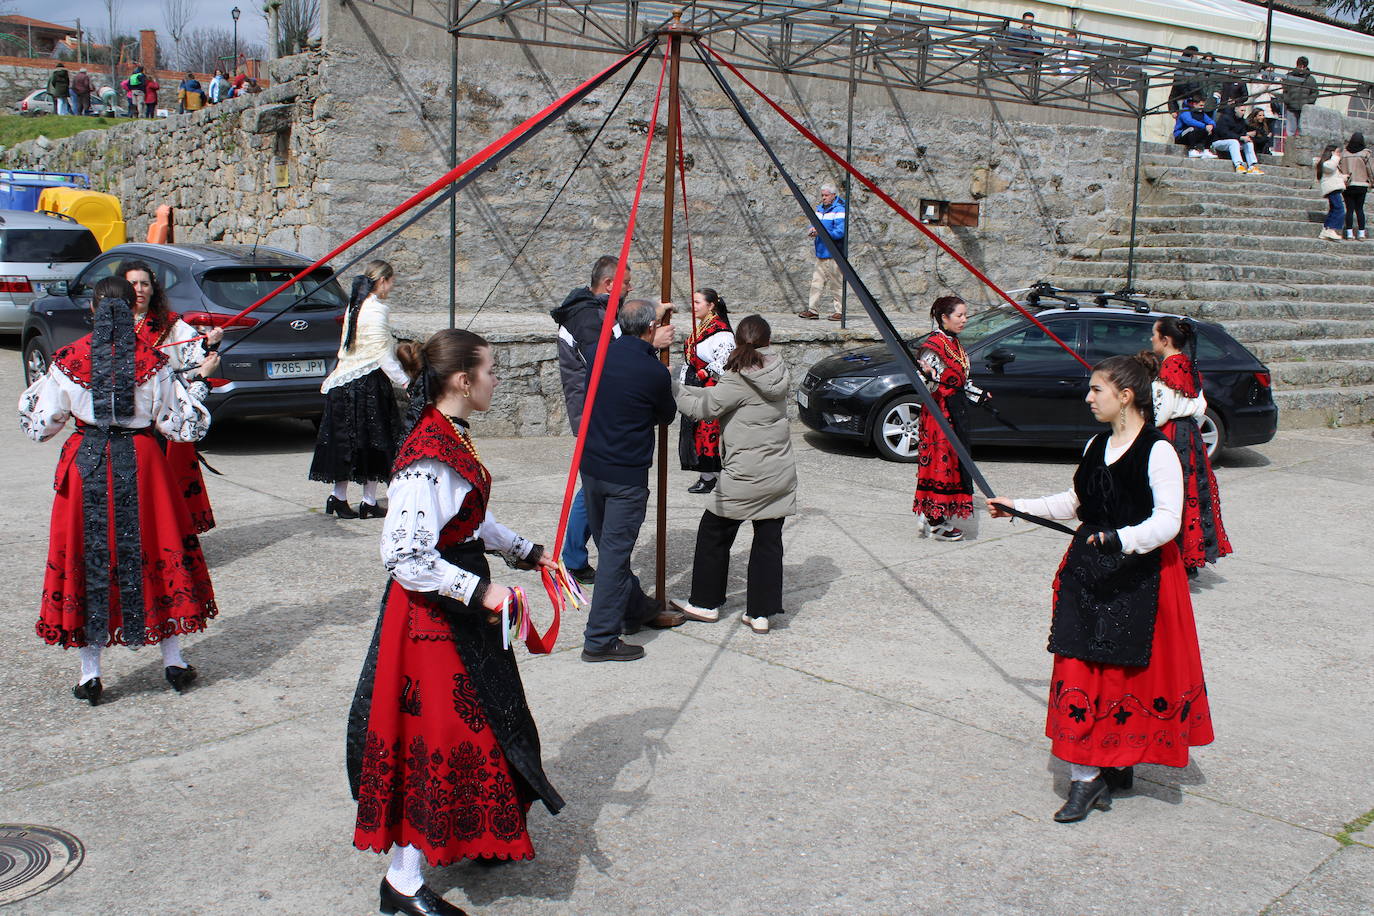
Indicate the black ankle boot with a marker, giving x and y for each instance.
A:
(370, 510)
(1119, 779)
(180, 678)
(1083, 797)
(424, 903)
(339, 507)
(703, 485)
(89, 691)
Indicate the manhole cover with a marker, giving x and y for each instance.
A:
(33, 859)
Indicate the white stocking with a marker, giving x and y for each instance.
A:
(370, 492)
(90, 662)
(171, 652)
(341, 490)
(709, 475)
(404, 874)
(1080, 773)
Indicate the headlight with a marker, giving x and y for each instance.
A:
(847, 386)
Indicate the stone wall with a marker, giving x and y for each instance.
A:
(246, 170)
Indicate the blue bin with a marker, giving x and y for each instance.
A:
(19, 188)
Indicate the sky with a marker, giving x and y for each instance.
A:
(132, 15)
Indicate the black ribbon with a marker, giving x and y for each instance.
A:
(110, 439)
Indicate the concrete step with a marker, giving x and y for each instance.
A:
(1253, 330)
(1157, 288)
(1357, 254)
(1305, 213)
(1218, 225)
(1325, 407)
(1236, 269)
(1279, 351)
(1239, 201)
(1322, 258)
(1220, 172)
(1338, 373)
(1222, 310)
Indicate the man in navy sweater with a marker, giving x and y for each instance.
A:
(634, 397)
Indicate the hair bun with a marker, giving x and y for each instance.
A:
(411, 355)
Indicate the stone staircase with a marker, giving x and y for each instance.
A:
(1242, 250)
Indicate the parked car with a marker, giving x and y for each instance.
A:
(276, 371)
(40, 101)
(1035, 384)
(36, 250)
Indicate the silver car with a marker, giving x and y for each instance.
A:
(36, 250)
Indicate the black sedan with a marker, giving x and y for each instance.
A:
(277, 369)
(1036, 386)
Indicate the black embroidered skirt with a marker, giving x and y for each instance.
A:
(358, 432)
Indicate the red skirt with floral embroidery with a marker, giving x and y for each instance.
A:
(1201, 535)
(1116, 715)
(433, 774)
(177, 595)
(184, 462)
(943, 488)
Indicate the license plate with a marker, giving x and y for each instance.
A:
(803, 399)
(295, 368)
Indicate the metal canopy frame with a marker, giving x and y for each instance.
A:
(924, 47)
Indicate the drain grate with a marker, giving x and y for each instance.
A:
(33, 859)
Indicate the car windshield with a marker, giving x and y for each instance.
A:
(239, 287)
(61, 246)
(989, 322)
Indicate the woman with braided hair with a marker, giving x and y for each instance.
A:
(123, 567)
(1127, 685)
(361, 425)
(1180, 406)
(443, 754)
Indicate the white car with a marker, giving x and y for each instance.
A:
(36, 250)
(40, 101)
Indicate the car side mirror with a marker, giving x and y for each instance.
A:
(58, 288)
(998, 359)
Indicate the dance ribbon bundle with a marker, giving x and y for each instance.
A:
(562, 588)
(895, 344)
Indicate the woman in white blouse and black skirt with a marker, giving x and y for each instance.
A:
(1127, 686)
(443, 754)
(361, 425)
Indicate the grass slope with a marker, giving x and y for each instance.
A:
(17, 128)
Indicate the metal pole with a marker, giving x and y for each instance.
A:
(848, 178)
(1268, 30)
(1129, 289)
(666, 295)
(453, 201)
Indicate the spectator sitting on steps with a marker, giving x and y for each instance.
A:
(1193, 128)
(1258, 126)
(1233, 136)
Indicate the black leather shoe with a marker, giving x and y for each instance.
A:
(1119, 779)
(703, 485)
(1083, 797)
(618, 651)
(339, 507)
(424, 903)
(180, 678)
(586, 575)
(370, 510)
(89, 691)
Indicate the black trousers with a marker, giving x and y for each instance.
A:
(1354, 205)
(711, 566)
(615, 513)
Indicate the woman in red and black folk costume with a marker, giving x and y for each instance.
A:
(1127, 685)
(443, 754)
(944, 489)
(185, 348)
(708, 347)
(124, 567)
(1179, 407)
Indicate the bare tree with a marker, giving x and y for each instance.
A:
(297, 22)
(176, 15)
(205, 50)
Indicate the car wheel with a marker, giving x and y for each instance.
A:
(36, 359)
(896, 429)
(1213, 433)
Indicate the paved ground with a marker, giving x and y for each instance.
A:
(880, 752)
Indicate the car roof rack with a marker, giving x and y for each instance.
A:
(55, 215)
(1044, 290)
(1135, 304)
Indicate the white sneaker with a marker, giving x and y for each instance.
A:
(692, 612)
(1361, 235)
(757, 624)
(1208, 154)
(1194, 154)
(1350, 233)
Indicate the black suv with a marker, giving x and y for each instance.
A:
(1035, 385)
(276, 371)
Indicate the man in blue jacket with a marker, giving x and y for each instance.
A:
(634, 397)
(1194, 129)
(826, 274)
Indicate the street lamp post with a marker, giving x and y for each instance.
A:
(235, 12)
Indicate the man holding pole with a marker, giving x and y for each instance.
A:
(634, 397)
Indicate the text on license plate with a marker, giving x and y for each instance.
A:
(803, 399)
(295, 368)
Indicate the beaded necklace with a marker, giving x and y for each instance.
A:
(461, 430)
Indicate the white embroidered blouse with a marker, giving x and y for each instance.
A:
(374, 348)
(163, 401)
(1172, 404)
(1166, 485)
(422, 499)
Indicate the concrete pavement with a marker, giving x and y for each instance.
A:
(880, 752)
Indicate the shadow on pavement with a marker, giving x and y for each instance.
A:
(261, 436)
(223, 546)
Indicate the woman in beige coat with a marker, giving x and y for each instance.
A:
(758, 481)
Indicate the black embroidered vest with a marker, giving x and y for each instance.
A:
(1105, 603)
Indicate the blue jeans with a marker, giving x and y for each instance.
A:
(1335, 216)
(578, 533)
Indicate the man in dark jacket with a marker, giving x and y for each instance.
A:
(1300, 89)
(1186, 81)
(81, 91)
(1234, 137)
(60, 87)
(579, 321)
(635, 396)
